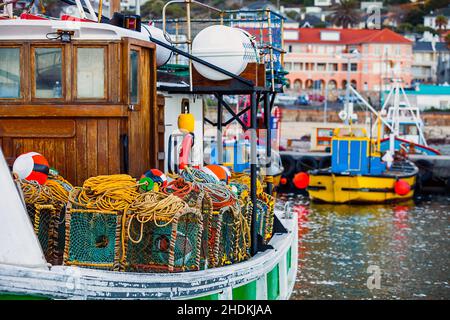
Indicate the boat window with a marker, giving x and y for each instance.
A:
(9, 72)
(134, 69)
(48, 72)
(90, 72)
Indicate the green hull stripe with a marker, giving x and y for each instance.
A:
(245, 292)
(273, 283)
(21, 297)
(214, 296)
(289, 260)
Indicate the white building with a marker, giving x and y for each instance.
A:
(429, 61)
(430, 19)
(426, 96)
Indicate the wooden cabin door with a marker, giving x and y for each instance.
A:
(142, 108)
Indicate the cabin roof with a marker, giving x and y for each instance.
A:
(18, 29)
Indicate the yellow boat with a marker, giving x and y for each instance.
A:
(358, 174)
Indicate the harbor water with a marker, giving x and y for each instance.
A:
(389, 251)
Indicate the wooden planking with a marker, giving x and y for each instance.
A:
(254, 72)
(70, 170)
(102, 147)
(114, 145)
(73, 110)
(44, 128)
(81, 154)
(91, 147)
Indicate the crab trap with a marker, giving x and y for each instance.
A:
(264, 215)
(45, 205)
(235, 237)
(93, 238)
(164, 245)
(209, 249)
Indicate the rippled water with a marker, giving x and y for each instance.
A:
(408, 242)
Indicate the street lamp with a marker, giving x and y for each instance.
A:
(354, 54)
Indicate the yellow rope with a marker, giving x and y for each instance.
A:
(113, 192)
(154, 206)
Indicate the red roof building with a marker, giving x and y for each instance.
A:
(369, 58)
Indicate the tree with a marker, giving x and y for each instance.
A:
(441, 22)
(292, 15)
(346, 13)
(153, 10)
(405, 27)
(415, 15)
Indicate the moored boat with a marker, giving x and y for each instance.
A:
(358, 173)
(89, 98)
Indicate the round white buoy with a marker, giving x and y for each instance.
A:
(162, 54)
(228, 48)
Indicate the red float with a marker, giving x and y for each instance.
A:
(401, 187)
(301, 180)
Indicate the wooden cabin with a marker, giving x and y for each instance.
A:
(89, 106)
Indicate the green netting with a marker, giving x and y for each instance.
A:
(173, 247)
(187, 244)
(93, 238)
(209, 248)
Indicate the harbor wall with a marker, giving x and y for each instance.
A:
(311, 115)
(437, 124)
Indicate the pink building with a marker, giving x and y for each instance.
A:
(316, 57)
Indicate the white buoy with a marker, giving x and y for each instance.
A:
(163, 55)
(228, 48)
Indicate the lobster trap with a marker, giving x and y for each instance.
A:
(164, 245)
(48, 224)
(93, 238)
(235, 237)
(212, 222)
(264, 215)
(46, 210)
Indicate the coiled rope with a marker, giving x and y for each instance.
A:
(111, 193)
(156, 207)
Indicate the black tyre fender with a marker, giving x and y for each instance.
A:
(425, 170)
(325, 162)
(306, 163)
(288, 165)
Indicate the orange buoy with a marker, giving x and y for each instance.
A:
(301, 180)
(283, 180)
(401, 187)
(222, 173)
(32, 166)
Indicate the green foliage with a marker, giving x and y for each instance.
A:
(415, 16)
(292, 15)
(320, 25)
(346, 13)
(441, 22)
(420, 28)
(405, 27)
(153, 10)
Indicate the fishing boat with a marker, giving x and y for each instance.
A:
(402, 120)
(90, 117)
(358, 173)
